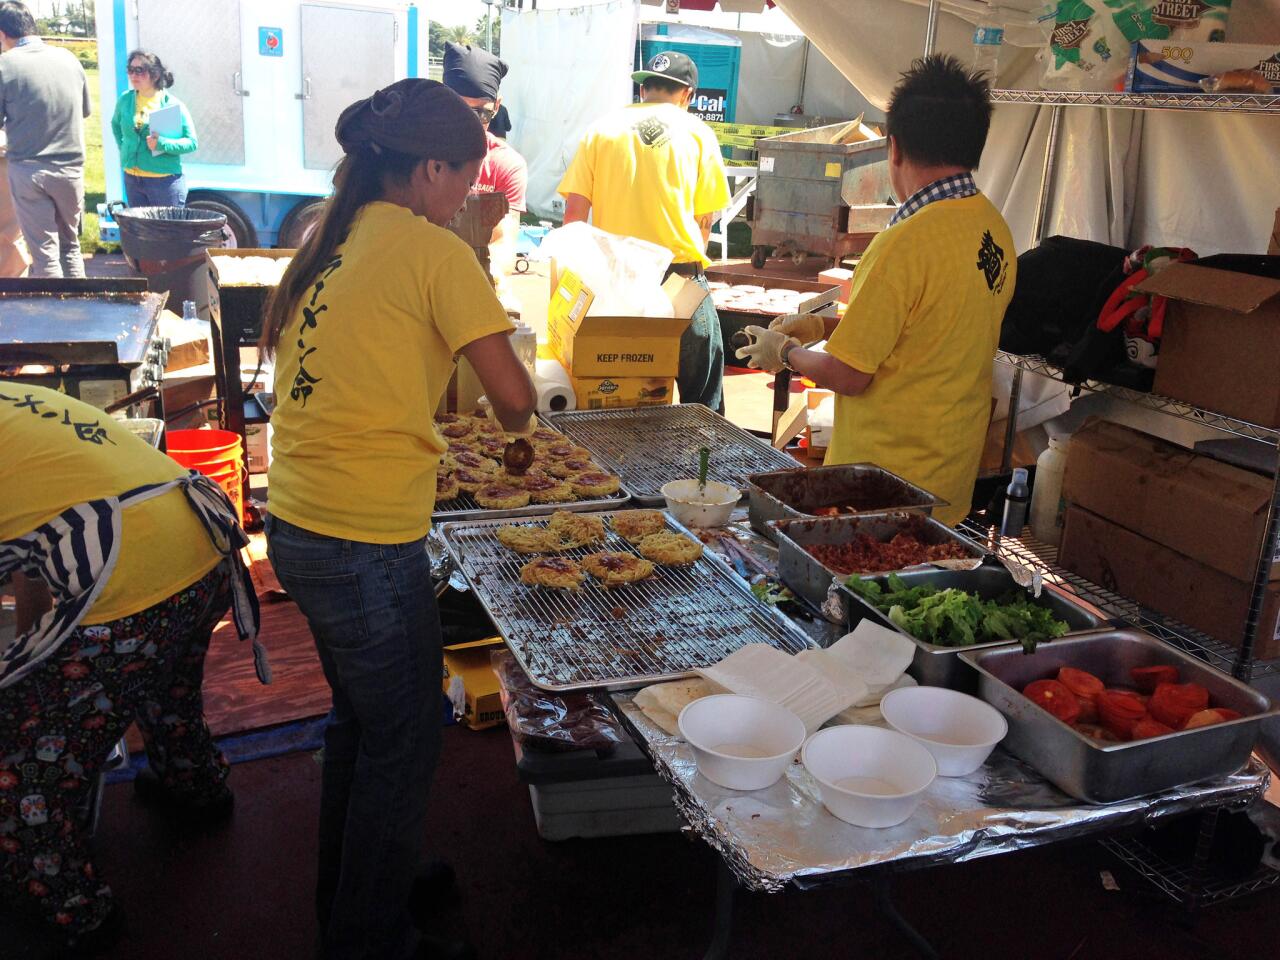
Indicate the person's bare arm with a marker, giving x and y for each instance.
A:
(31, 600)
(828, 372)
(576, 208)
(704, 224)
(505, 380)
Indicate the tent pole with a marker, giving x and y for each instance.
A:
(804, 76)
(1047, 175)
(931, 27)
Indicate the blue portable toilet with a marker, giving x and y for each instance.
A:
(717, 56)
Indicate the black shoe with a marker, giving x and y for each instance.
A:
(97, 941)
(151, 790)
(439, 948)
(434, 886)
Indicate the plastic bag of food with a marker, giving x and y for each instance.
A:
(1087, 50)
(1194, 21)
(624, 274)
(548, 722)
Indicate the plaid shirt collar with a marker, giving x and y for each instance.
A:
(955, 187)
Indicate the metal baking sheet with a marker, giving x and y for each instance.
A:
(78, 328)
(464, 507)
(660, 629)
(782, 836)
(1106, 772)
(650, 446)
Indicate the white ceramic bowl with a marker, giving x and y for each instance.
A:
(959, 730)
(869, 776)
(709, 508)
(742, 743)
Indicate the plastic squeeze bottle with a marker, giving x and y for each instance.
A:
(1047, 506)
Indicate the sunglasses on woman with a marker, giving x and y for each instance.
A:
(139, 71)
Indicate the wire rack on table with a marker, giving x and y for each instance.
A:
(1177, 880)
(1033, 553)
(649, 446)
(659, 629)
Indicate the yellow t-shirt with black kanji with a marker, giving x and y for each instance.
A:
(360, 370)
(59, 453)
(924, 317)
(649, 171)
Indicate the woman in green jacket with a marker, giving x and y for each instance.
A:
(152, 161)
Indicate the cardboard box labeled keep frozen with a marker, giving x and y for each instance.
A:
(1167, 581)
(1172, 66)
(1221, 343)
(600, 393)
(613, 347)
(469, 681)
(1209, 511)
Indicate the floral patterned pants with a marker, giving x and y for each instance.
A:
(59, 723)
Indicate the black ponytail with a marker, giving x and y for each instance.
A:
(162, 78)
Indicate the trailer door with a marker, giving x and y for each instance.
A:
(346, 55)
(199, 40)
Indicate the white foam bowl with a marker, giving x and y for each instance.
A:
(743, 743)
(959, 730)
(869, 776)
(711, 507)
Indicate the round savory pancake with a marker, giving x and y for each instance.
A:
(571, 467)
(546, 489)
(576, 529)
(457, 430)
(564, 450)
(670, 549)
(461, 446)
(446, 486)
(490, 445)
(635, 525)
(614, 569)
(501, 496)
(594, 483)
(444, 419)
(469, 481)
(558, 573)
(546, 435)
(528, 539)
(484, 427)
(470, 460)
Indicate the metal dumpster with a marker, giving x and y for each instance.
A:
(818, 197)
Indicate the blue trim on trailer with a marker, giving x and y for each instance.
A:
(120, 48)
(412, 66)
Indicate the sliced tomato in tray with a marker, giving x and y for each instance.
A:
(1119, 711)
(1173, 704)
(1147, 679)
(1054, 697)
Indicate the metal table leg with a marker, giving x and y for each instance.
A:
(884, 903)
(726, 887)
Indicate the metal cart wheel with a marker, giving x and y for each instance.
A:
(758, 257)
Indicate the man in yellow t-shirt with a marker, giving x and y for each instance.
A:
(653, 170)
(910, 361)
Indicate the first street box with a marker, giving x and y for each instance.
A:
(596, 347)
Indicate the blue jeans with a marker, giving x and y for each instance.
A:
(155, 191)
(701, 376)
(372, 611)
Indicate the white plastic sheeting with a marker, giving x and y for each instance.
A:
(568, 67)
(1200, 180)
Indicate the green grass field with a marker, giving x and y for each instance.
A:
(95, 178)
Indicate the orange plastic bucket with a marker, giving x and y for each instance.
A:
(218, 454)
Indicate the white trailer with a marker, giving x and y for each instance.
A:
(265, 81)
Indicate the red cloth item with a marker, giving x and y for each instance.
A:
(503, 170)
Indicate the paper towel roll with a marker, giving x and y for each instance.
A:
(555, 389)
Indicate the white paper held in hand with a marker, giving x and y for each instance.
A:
(166, 122)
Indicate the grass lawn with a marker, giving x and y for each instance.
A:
(95, 189)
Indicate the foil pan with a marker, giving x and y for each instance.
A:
(783, 836)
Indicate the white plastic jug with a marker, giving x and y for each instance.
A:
(1047, 506)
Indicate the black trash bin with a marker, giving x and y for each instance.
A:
(167, 244)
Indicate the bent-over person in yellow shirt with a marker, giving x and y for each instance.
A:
(653, 170)
(910, 361)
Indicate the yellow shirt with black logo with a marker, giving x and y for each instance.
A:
(143, 106)
(650, 170)
(360, 370)
(59, 453)
(924, 317)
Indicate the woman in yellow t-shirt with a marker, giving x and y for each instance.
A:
(364, 328)
(123, 564)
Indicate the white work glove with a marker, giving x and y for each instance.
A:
(765, 350)
(805, 327)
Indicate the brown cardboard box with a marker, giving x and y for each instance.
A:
(599, 393)
(1209, 511)
(1166, 581)
(1221, 343)
(469, 681)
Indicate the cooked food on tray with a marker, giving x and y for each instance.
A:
(614, 569)
(546, 435)
(455, 431)
(564, 450)
(958, 618)
(558, 573)
(576, 529)
(502, 496)
(572, 467)
(671, 549)
(1160, 704)
(469, 481)
(523, 539)
(460, 446)
(594, 483)
(546, 489)
(446, 486)
(635, 525)
(490, 445)
(444, 419)
(865, 554)
(471, 461)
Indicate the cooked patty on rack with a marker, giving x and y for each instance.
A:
(564, 450)
(486, 427)
(524, 539)
(457, 430)
(576, 529)
(546, 489)
(670, 549)
(558, 573)
(594, 483)
(502, 496)
(444, 419)
(614, 569)
(635, 525)
(470, 460)
(564, 469)
(490, 445)
(469, 481)
(446, 486)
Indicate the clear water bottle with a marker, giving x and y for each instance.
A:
(1015, 505)
(988, 38)
(189, 310)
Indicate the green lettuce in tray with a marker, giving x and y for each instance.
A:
(957, 618)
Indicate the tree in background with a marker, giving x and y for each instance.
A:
(73, 17)
(497, 31)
